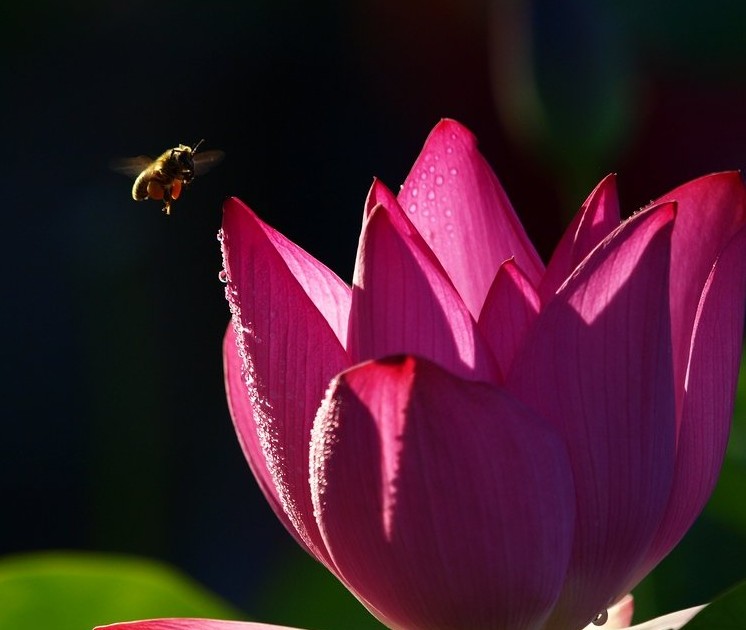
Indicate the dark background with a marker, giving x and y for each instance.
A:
(115, 431)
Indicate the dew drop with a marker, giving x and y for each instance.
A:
(221, 235)
(414, 192)
(223, 276)
(426, 213)
(449, 213)
(423, 175)
(453, 171)
(413, 208)
(601, 618)
(431, 195)
(431, 169)
(449, 149)
(439, 180)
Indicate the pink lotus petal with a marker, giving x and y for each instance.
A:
(511, 306)
(708, 404)
(402, 302)
(672, 621)
(242, 414)
(618, 616)
(289, 354)
(459, 207)
(443, 502)
(597, 365)
(711, 210)
(191, 624)
(595, 220)
(327, 291)
(380, 194)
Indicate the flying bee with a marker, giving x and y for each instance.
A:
(164, 177)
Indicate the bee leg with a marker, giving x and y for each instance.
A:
(167, 199)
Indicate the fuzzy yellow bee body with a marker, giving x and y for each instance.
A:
(164, 177)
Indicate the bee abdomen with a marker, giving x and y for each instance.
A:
(140, 187)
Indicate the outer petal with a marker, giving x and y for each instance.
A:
(597, 364)
(459, 207)
(289, 354)
(619, 615)
(191, 624)
(379, 194)
(595, 220)
(243, 420)
(444, 502)
(511, 306)
(672, 621)
(404, 303)
(709, 398)
(711, 210)
(327, 291)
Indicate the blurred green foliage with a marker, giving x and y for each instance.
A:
(727, 612)
(77, 591)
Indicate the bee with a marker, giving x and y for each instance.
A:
(164, 177)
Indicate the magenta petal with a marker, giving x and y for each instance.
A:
(243, 419)
(595, 220)
(403, 303)
(511, 306)
(711, 210)
(327, 291)
(289, 354)
(191, 624)
(380, 194)
(597, 365)
(459, 207)
(444, 503)
(709, 398)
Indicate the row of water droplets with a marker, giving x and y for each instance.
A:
(424, 193)
(324, 436)
(266, 426)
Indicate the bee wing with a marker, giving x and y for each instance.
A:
(205, 160)
(131, 167)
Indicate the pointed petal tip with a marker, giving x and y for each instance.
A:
(378, 194)
(451, 126)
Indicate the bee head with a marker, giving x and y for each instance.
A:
(182, 155)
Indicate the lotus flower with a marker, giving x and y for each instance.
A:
(467, 439)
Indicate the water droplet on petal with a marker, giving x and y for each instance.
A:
(223, 276)
(431, 195)
(439, 180)
(413, 208)
(449, 213)
(414, 192)
(431, 168)
(221, 235)
(449, 149)
(453, 171)
(601, 618)
(423, 175)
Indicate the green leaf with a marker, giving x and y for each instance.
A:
(727, 612)
(77, 591)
